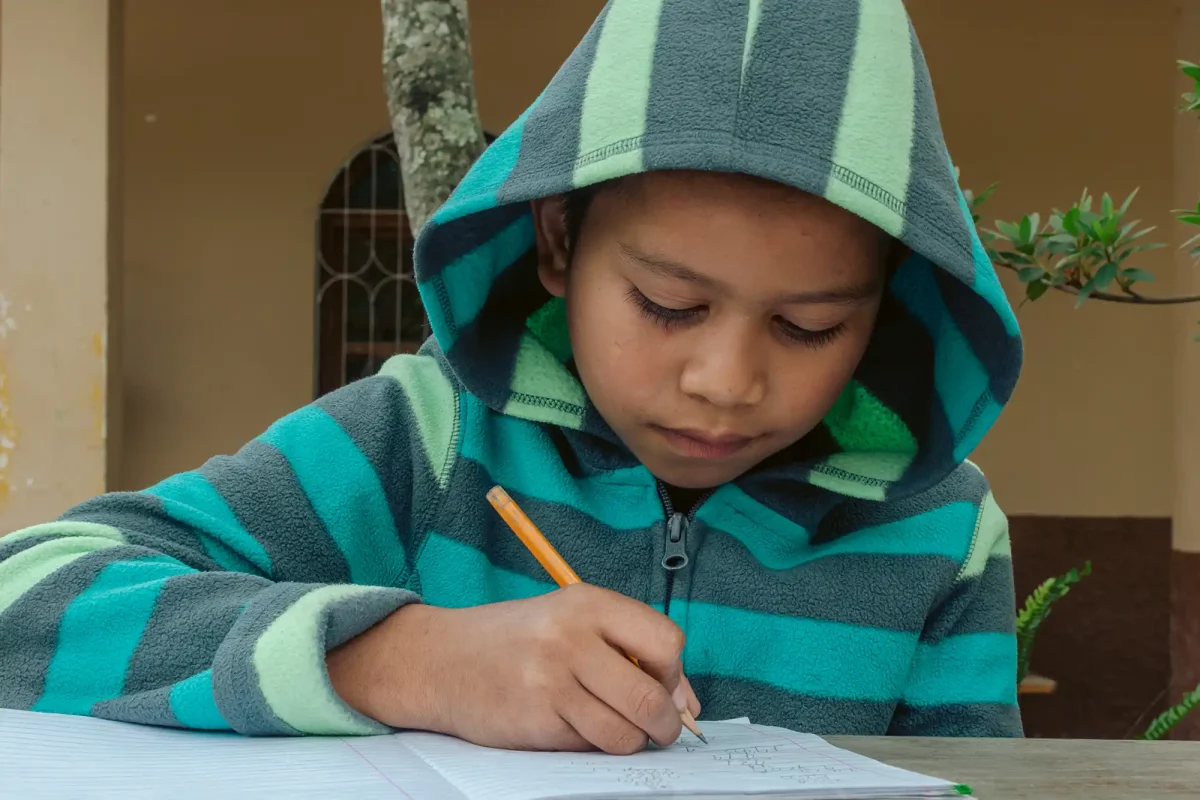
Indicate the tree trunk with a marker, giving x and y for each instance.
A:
(429, 80)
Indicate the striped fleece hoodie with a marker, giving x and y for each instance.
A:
(866, 590)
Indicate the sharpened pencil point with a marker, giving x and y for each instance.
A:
(700, 736)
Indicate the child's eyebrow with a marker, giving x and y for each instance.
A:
(666, 268)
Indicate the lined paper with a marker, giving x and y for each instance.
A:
(739, 759)
(53, 756)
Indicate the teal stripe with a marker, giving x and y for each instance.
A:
(796, 654)
(519, 455)
(971, 668)
(195, 706)
(778, 543)
(983, 422)
(477, 190)
(958, 375)
(99, 632)
(456, 575)
(468, 280)
(987, 282)
(346, 493)
(190, 499)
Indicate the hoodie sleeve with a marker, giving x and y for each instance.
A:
(963, 680)
(210, 600)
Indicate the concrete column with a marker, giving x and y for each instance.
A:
(60, 254)
(1185, 557)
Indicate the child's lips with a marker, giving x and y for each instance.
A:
(693, 443)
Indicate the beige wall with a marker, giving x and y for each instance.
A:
(238, 113)
(1187, 192)
(1090, 429)
(257, 101)
(59, 148)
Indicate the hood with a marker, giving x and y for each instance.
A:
(832, 97)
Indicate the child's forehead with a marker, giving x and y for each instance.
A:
(661, 196)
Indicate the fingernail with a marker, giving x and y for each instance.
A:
(679, 696)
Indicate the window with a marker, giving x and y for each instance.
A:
(367, 305)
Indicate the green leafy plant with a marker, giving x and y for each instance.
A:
(1037, 608)
(1083, 250)
(1090, 250)
(1191, 100)
(1167, 720)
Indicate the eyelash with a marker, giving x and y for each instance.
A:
(672, 317)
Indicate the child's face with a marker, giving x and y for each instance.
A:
(714, 318)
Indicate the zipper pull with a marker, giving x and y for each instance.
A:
(675, 555)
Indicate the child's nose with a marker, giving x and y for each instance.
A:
(726, 372)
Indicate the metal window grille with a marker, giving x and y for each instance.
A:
(367, 307)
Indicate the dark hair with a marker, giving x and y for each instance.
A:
(575, 207)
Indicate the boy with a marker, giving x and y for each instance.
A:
(713, 311)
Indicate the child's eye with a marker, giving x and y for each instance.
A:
(810, 339)
(661, 315)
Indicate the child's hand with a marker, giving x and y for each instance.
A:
(548, 673)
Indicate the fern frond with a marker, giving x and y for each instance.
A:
(1037, 609)
(1167, 720)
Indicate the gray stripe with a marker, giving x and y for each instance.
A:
(796, 78)
(981, 720)
(802, 503)
(235, 680)
(349, 617)
(550, 141)
(145, 708)
(191, 618)
(695, 81)
(443, 244)
(8, 549)
(934, 223)
(29, 627)
(144, 522)
(729, 698)
(623, 561)
(377, 414)
(236, 690)
(262, 491)
(964, 484)
(983, 604)
(839, 588)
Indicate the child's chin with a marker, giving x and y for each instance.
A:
(696, 474)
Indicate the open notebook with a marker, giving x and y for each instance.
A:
(51, 756)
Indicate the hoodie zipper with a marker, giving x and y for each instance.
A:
(675, 556)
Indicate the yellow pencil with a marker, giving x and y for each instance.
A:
(554, 564)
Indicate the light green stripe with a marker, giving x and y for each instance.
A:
(431, 398)
(751, 32)
(991, 538)
(857, 474)
(618, 90)
(538, 374)
(22, 572)
(876, 133)
(290, 663)
(66, 528)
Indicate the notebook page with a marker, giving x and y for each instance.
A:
(739, 759)
(50, 756)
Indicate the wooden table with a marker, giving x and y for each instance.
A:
(1046, 769)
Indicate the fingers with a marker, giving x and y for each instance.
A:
(639, 631)
(685, 697)
(600, 726)
(628, 691)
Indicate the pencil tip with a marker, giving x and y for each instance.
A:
(700, 736)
